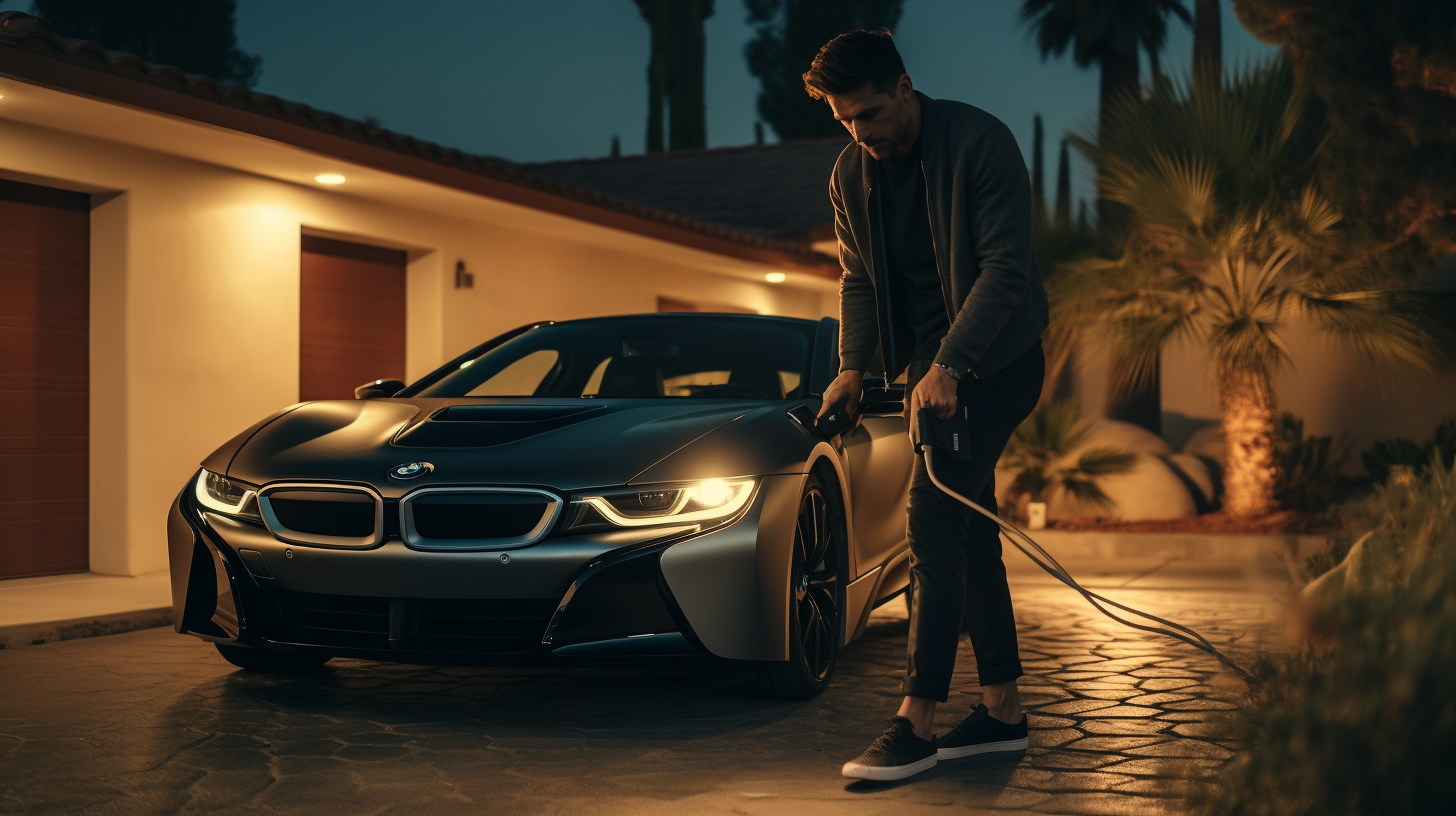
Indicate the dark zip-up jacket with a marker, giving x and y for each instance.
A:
(980, 222)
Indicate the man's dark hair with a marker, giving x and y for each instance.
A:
(852, 60)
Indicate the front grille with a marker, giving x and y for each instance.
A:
(456, 516)
(476, 518)
(321, 515)
(350, 517)
(427, 625)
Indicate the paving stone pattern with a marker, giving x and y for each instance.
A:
(151, 722)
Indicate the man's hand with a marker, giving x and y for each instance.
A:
(936, 391)
(845, 390)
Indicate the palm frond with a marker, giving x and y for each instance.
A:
(1105, 461)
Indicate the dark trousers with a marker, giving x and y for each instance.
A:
(955, 553)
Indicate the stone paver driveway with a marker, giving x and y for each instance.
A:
(151, 722)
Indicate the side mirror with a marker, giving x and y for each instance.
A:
(379, 389)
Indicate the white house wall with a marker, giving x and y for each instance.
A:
(195, 303)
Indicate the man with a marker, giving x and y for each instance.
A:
(933, 214)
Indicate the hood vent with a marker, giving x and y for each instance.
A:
(479, 426)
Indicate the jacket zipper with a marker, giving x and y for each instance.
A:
(935, 248)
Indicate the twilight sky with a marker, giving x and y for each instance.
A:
(537, 80)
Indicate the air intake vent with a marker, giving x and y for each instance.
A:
(497, 626)
(478, 426)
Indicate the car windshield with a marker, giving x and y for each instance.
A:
(697, 356)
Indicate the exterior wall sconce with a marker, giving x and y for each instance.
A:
(463, 279)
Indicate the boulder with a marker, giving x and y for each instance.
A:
(1197, 472)
(1151, 491)
(1208, 443)
(1126, 436)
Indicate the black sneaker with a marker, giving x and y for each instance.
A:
(981, 733)
(896, 754)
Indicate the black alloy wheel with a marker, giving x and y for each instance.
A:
(815, 602)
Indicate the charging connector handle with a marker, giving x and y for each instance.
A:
(932, 429)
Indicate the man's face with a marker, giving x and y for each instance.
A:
(879, 122)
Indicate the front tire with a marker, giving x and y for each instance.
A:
(267, 660)
(815, 603)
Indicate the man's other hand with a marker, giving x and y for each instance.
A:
(936, 391)
(845, 390)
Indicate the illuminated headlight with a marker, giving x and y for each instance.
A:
(706, 501)
(220, 494)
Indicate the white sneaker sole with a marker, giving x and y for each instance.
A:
(983, 748)
(854, 770)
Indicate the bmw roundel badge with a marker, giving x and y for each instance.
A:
(410, 470)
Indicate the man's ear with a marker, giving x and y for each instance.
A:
(904, 87)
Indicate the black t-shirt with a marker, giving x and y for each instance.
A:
(918, 316)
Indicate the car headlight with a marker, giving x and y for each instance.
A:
(220, 494)
(704, 501)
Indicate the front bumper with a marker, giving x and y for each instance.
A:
(664, 593)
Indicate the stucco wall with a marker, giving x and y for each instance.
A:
(195, 299)
(1333, 389)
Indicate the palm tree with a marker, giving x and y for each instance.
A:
(1040, 450)
(1109, 34)
(1230, 240)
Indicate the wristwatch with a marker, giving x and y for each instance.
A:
(954, 375)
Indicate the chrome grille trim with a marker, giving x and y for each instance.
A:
(415, 541)
(282, 532)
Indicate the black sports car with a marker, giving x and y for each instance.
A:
(645, 486)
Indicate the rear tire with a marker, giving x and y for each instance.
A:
(815, 603)
(267, 660)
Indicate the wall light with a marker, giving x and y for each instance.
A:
(329, 178)
(775, 277)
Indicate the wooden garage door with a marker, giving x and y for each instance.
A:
(351, 317)
(44, 382)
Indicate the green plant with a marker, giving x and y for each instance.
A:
(1229, 243)
(1309, 466)
(1386, 455)
(1362, 720)
(1040, 456)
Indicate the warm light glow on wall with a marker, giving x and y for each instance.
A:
(775, 277)
(329, 178)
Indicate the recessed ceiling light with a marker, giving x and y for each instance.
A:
(329, 178)
(775, 277)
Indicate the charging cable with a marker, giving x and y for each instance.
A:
(1177, 631)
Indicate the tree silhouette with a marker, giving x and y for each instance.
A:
(1062, 215)
(1207, 40)
(1386, 73)
(1109, 34)
(789, 34)
(675, 73)
(194, 35)
(1038, 171)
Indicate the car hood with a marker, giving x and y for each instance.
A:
(561, 444)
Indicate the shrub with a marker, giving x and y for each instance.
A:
(1362, 720)
(1309, 466)
(1039, 456)
(1386, 455)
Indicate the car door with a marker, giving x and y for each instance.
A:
(880, 460)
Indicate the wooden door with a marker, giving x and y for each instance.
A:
(351, 317)
(45, 238)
